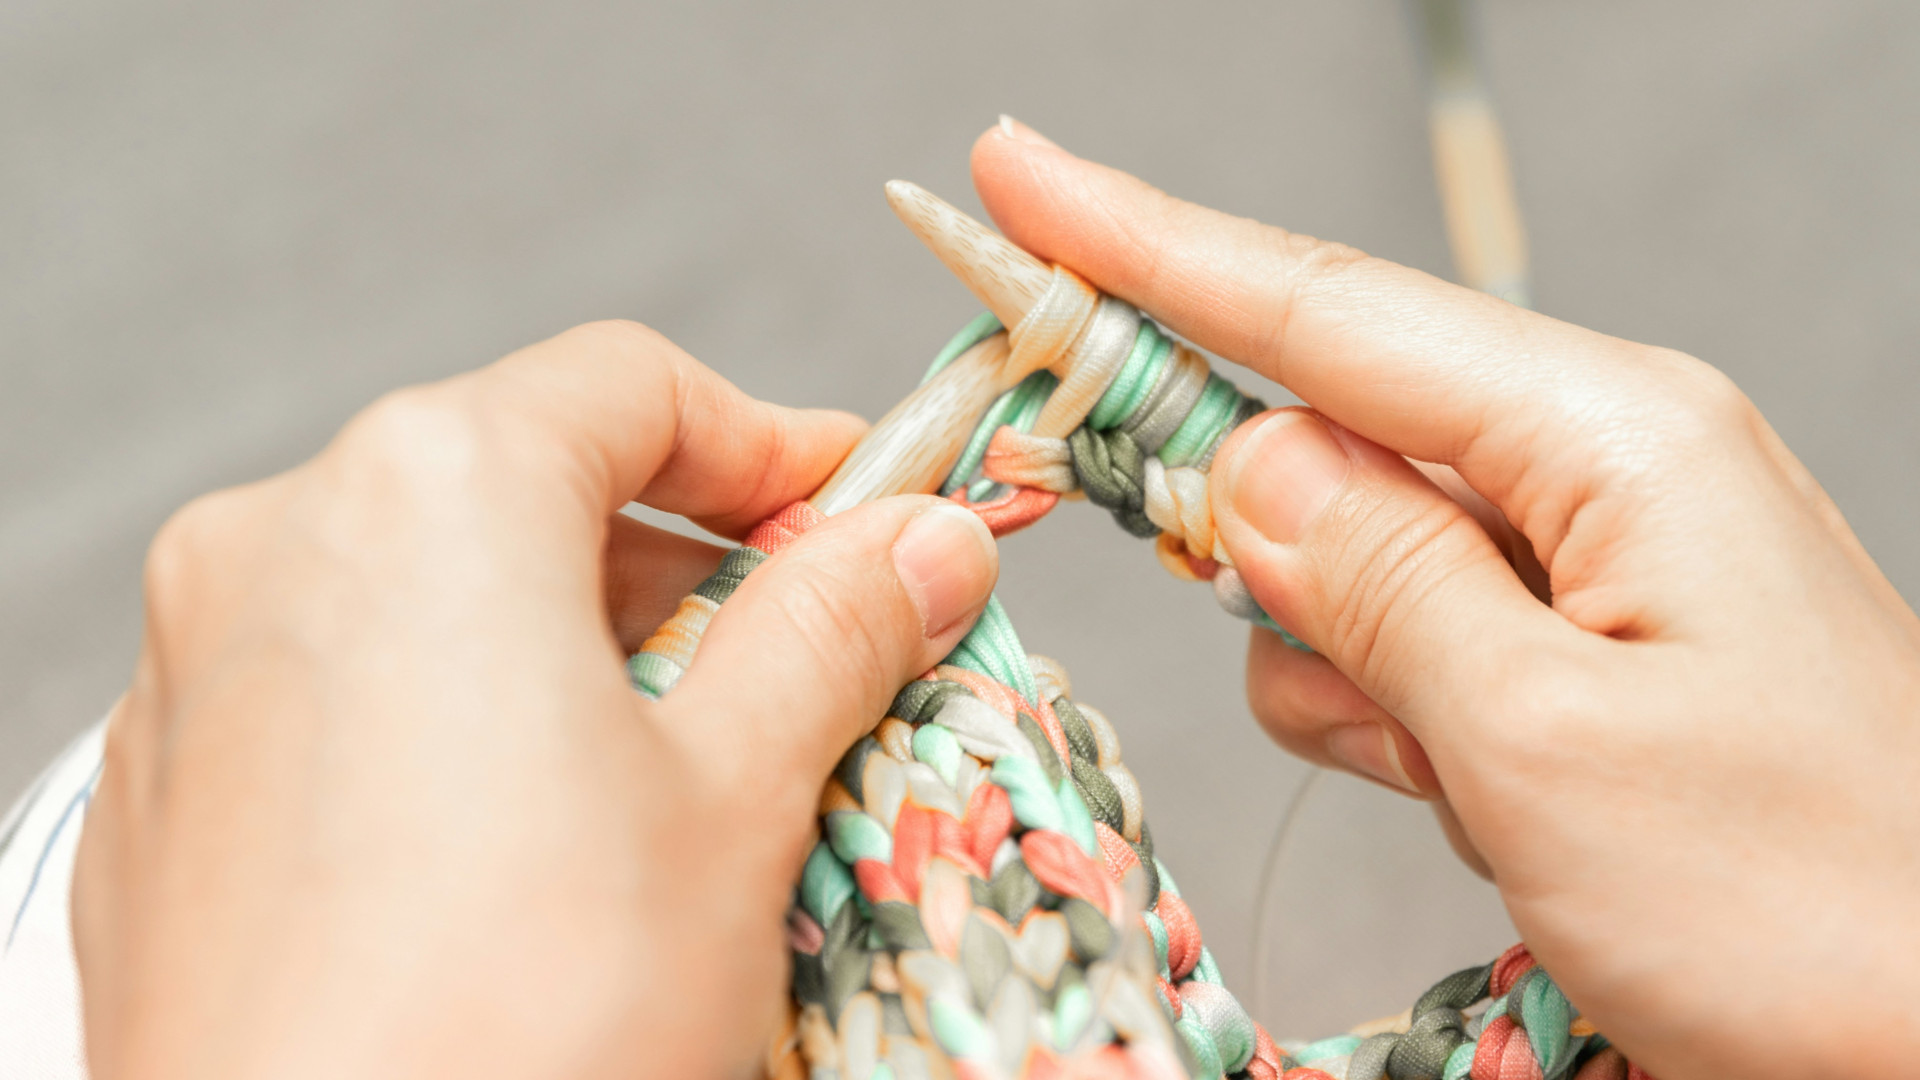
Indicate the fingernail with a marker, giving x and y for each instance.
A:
(1370, 750)
(1285, 473)
(945, 557)
(1019, 132)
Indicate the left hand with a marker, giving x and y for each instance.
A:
(380, 802)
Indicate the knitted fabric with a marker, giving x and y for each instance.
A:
(983, 899)
(1526, 1031)
(1141, 453)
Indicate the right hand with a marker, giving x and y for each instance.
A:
(1695, 773)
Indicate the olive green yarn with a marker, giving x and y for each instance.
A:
(993, 649)
(733, 569)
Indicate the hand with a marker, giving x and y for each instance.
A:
(1695, 775)
(380, 802)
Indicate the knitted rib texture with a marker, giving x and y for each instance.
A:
(983, 899)
(1526, 1031)
(1141, 452)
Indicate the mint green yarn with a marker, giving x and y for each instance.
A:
(993, 649)
(1157, 929)
(1460, 1062)
(1136, 379)
(975, 450)
(1335, 1047)
(653, 674)
(1537, 1005)
(957, 1029)
(1017, 408)
(825, 884)
(1286, 635)
(1200, 1041)
(1035, 803)
(983, 326)
(1207, 970)
(1072, 1011)
(934, 744)
(1206, 423)
(856, 835)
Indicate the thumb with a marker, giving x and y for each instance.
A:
(1357, 553)
(807, 653)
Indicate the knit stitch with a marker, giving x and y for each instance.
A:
(983, 898)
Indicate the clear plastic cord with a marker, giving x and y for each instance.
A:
(1264, 926)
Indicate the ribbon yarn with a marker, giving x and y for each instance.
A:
(983, 899)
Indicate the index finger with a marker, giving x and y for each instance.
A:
(1432, 370)
(641, 420)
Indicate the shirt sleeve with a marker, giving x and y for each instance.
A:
(40, 1033)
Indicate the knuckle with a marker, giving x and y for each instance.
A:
(1323, 261)
(1540, 703)
(620, 335)
(1697, 402)
(1313, 269)
(188, 545)
(1719, 400)
(423, 437)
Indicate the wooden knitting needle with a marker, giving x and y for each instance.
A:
(1005, 278)
(1470, 157)
(913, 447)
(1016, 286)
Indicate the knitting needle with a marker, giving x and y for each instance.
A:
(912, 448)
(1470, 156)
(1016, 287)
(1005, 278)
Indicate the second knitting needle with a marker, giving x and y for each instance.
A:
(913, 446)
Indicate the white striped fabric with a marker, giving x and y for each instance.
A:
(39, 986)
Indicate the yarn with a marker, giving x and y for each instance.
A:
(1140, 451)
(1134, 425)
(983, 898)
(984, 892)
(1527, 1031)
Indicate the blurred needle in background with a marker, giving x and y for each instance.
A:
(1470, 161)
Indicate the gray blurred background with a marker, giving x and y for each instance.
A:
(225, 226)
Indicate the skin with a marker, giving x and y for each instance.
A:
(1688, 754)
(380, 803)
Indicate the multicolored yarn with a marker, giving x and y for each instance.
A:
(1141, 451)
(985, 891)
(1133, 426)
(1527, 1031)
(983, 899)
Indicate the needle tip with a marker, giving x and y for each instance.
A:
(1005, 278)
